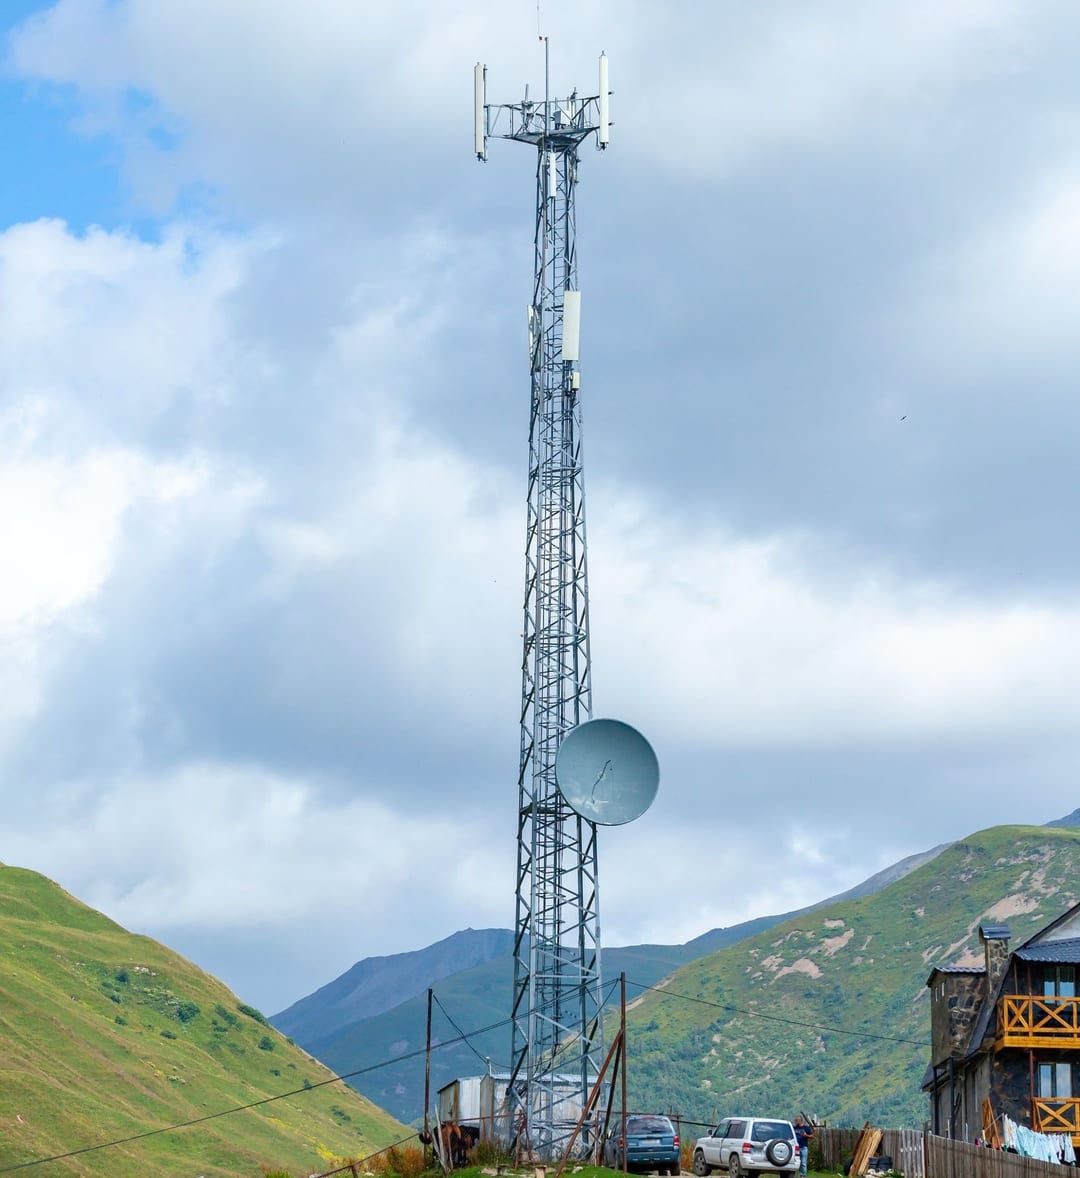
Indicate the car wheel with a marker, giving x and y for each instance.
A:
(675, 1169)
(734, 1166)
(701, 1167)
(779, 1152)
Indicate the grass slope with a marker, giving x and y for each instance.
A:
(829, 1012)
(106, 1035)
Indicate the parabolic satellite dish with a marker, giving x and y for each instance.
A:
(607, 772)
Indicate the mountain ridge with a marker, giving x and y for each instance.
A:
(371, 1042)
(377, 984)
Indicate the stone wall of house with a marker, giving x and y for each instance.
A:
(955, 999)
(1010, 1082)
(997, 961)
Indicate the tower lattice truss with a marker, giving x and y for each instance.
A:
(557, 1030)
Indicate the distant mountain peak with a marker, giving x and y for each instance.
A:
(378, 984)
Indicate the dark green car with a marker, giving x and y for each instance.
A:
(651, 1144)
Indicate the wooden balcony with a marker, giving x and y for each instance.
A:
(1056, 1114)
(1024, 1020)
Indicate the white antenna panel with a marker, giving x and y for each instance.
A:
(603, 133)
(571, 325)
(553, 174)
(479, 138)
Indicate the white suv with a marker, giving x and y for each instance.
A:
(748, 1145)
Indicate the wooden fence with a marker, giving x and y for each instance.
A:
(906, 1147)
(918, 1154)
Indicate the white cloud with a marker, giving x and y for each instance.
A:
(115, 327)
(61, 530)
(284, 106)
(1001, 296)
(754, 81)
(732, 640)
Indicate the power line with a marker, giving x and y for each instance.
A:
(460, 1032)
(776, 1018)
(461, 1037)
(309, 1087)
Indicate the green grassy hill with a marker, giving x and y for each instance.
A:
(829, 1012)
(105, 1035)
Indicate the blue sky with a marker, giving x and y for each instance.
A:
(50, 171)
(264, 413)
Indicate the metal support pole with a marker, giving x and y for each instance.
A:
(427, 1069)
(622, 1035)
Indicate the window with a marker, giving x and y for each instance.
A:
(646, 1125)
(767, 1130)
(1055, 1079)
(1059, 981)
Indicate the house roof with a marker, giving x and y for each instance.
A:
(1042, 935)
(994, 932)
(1065, 951)
(1054, 951)
(965, 969)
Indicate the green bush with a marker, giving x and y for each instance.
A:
(251, 1012)
(486, 1153)
(168, 1034)
(186, 1011)
(266, 1043)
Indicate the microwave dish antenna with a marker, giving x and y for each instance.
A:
(607, 772)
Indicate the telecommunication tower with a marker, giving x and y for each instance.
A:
(557, 1032)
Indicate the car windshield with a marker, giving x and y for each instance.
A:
(640, 1125)
(767, 1130)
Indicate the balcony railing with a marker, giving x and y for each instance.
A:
(1056, 1114)
(1026, 1021)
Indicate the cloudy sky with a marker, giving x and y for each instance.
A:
(263, 425)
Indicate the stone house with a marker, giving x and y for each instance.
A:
(1008, 1031)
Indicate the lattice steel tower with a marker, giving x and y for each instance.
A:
(557, 1037)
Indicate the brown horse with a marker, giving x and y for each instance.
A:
(454, 1142)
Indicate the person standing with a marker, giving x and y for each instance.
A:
(803, 1133)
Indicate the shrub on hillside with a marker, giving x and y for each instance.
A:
(403, 1161)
